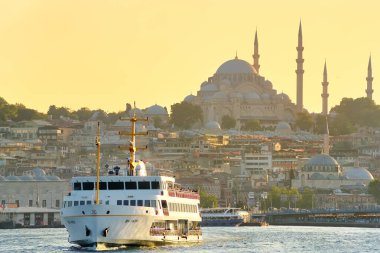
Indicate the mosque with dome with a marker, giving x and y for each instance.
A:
(239, 91)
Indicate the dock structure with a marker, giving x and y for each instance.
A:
(363, 217)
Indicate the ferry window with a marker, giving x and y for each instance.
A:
(119, 202)
(130, 185)
(57, 202)
(147, 203)
(69, 203)
(30, 202)
(164, 204)
(126, 202)
(153, 203)
(139, 202)
(107, 202)
(133, 202)
(76, 203)
(103, 186)
(64, 204)
(81, 203)
(155, 185)
(115, 186)
(144, 185)
(88, 202)
(88, 186)
(77, 186)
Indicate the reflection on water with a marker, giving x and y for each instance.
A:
(227, 239)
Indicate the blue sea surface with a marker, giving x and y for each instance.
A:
(216, 239)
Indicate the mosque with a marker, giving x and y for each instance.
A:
(239, 91)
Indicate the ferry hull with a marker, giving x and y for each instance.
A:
(91, 226)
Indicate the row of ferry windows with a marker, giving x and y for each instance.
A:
(131, 185)
(132, 202)
(174, 207)
(178, 207)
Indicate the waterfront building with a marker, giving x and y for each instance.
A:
(35, 189)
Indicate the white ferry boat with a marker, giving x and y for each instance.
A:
(221, 217)
(130, 209)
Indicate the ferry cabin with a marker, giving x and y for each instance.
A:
(175, 209)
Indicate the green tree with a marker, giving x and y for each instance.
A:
(184, 115)
(340, 125)
(28, 114)
(251, 125)
(57, 112)
(304, 121)
(158, 122)
(374, 189)
(360, 111)
(83, 113)
(228, 122)
(207, 200)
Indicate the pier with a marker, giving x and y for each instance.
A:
(360, 217)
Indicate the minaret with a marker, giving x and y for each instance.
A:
(325, 95)
(369, 78)
(326, 140)
(300, 70)
(256, 55)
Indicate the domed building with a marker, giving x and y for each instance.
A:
(239, 91)
(324, 172)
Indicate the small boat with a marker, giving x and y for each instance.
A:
(222, 217)
(129, 207)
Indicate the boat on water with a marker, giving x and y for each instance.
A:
(221, 217)
(130, 208)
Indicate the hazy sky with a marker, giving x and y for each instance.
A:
(103, 54)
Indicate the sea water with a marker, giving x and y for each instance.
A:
(216, 239)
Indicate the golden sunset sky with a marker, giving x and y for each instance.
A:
(103, 54)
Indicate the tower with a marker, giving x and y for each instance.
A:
(325, 94)
(369, 78)
(256, 55)
(300, 70)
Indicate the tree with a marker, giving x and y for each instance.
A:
(361, 111)
(28, 114)
(158, 122)
(83, 113)
(340, 125)
(207, 200)
(304, 121)
(57, 112)
(228, 122)
(251, 125)
(374, 189)
(184, 115)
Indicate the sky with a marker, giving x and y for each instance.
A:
(106, 53)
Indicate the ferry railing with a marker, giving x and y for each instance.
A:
(183, 194)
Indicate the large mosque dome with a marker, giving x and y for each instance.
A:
(322, 162)
(236, 66)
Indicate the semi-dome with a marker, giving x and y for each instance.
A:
(213, 125)
(220, 95)
(156, 110)
(357, 174)
(235, 66)
(251, 96)
(283, 126)
(189, 98)
(209, 87)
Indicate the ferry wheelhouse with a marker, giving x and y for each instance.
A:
(130, 208)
